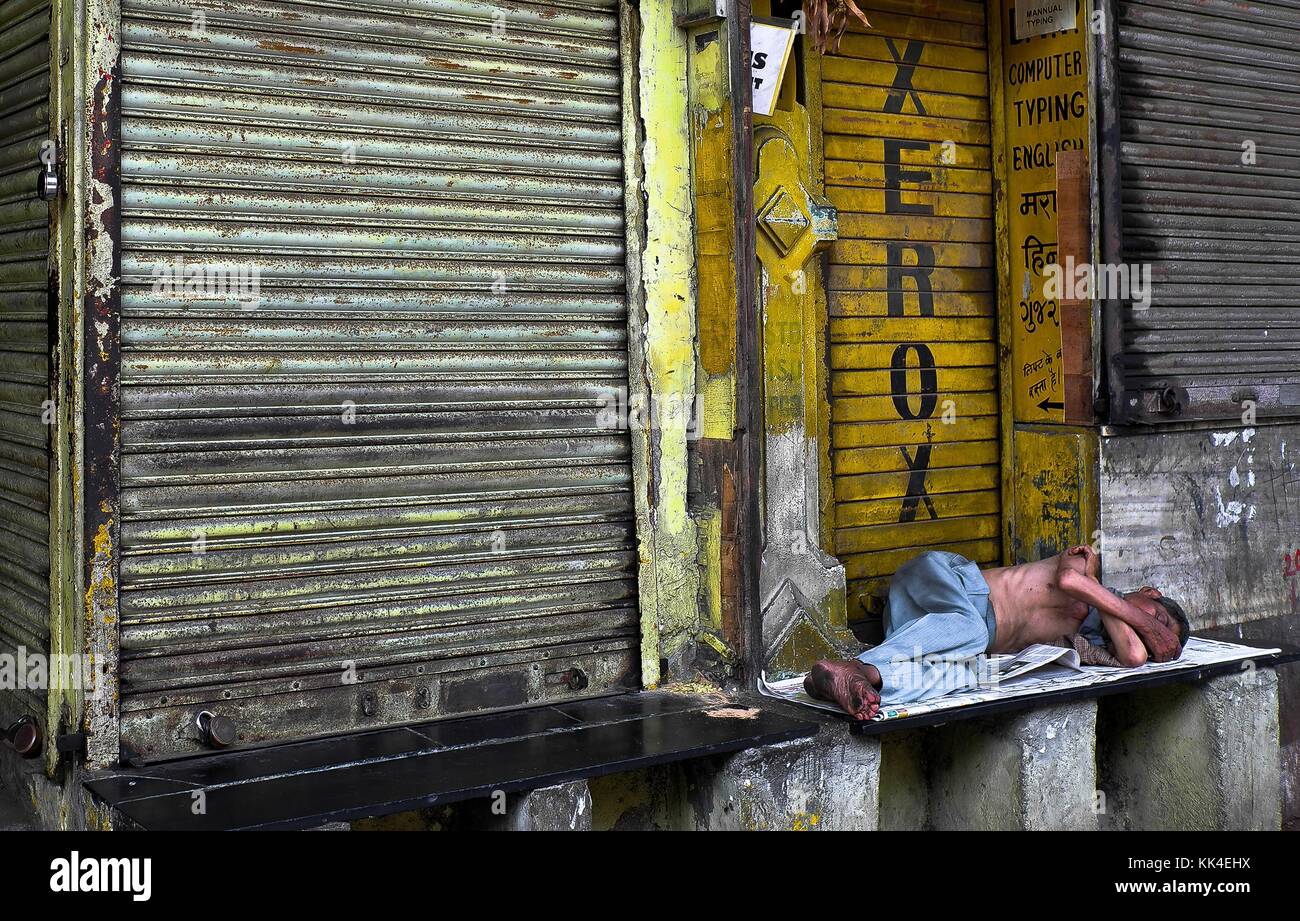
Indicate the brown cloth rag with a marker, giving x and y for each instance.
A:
(1090, 654)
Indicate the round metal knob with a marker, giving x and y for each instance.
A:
(25, 736)
(217, 731)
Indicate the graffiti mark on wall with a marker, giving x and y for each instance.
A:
(1291, 573)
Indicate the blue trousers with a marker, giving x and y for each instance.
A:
(938, 624)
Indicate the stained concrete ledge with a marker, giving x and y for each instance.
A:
(31, 799)
(1033, 770)
(1202, 755)
(829, 782)
(1193, 756)
(562, 807)
(1030, 770)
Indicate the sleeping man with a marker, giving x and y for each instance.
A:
(944, 614)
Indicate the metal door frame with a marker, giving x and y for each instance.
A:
(1110, 206)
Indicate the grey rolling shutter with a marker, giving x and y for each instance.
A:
(380, 491)
(1204, 87)
(24, 348)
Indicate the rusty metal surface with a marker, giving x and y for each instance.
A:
(749, 345)
(1110, 209)
(24, 345)
(101, 341)
(391, 460)
(1201, 85)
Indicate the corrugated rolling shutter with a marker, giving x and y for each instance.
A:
(24, 347)
(1209, 116)
(913, 347)
(382, 491)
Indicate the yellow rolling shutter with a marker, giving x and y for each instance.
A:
(913, 348)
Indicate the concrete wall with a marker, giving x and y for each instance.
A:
(1210, 515)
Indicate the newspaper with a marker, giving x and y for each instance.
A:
(1032, 658)
(1037, 669)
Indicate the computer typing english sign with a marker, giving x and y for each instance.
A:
(1045, 98)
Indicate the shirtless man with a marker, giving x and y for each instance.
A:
(944, 612)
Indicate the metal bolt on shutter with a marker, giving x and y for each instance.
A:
(1209, 119)
(380, 491)
(24, 347)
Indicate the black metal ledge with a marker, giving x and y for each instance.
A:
(1029, 701)
(381, 772)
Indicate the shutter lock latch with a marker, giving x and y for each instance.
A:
(48, 180)
(1171, 402)
(1167, 401)
(216, 731)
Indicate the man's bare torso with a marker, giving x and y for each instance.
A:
(1030, 605)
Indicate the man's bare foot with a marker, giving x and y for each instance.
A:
(846, 682)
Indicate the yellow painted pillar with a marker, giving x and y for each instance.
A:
(801, 586)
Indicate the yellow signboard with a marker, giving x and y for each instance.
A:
(1045, 83)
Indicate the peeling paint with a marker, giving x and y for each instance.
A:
(1204, 516)
(669, 577)
(101, 348)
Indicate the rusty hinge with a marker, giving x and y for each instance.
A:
(1165, 401)
(575, 679)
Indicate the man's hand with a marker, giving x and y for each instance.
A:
(1144, 600)
(1092, 561)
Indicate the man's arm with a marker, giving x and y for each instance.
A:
(1128, 645)
(1073, 579)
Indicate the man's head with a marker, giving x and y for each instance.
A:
(1179, 617)
(1166, 610)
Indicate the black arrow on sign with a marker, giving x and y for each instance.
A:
(1048, 404)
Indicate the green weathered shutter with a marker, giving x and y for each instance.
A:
(24, 349)
(392, 457)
